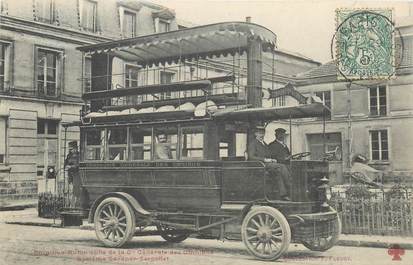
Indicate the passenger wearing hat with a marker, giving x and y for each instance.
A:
(72, 167)
(259, 151)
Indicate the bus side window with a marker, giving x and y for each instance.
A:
(117, 144)
(140, 142)
(233, 146)
(94, 145)
(192, 143)
(165, 142)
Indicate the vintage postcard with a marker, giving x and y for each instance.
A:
(206, 132)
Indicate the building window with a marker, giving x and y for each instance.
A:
(88, 17)
(45, 11)
(131, 75)
(46, 145)
(378, 101)
(325, 97)
(48, 70)
(379, 145)
(163, 26)
(87, 75)
(3, 139)
(3, 7)
(166, 78)
(131, 80)
(129, 24)
(4, 66)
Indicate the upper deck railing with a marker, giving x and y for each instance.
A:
(184, 65)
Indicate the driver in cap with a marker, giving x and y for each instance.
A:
(278, 149)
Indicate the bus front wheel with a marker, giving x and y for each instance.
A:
(114, 222)
(266, 233)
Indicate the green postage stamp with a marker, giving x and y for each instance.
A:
(365, 44)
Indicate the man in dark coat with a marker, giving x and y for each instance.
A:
(278, 149)
(72, 167)
(278, 172)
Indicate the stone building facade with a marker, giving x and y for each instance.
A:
(374, 118)
(41, 84)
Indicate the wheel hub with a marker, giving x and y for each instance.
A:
(112, 222)
(264, 234)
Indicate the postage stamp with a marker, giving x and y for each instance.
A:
(365, 44)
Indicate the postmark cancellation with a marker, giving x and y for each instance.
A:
(364, 44)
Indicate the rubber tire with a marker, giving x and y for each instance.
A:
(283, 224)
(130, 222)
(331, 243)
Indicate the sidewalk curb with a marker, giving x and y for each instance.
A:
(372, 244)
(17, 207)
(33, 224)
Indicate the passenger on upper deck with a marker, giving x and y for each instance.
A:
(162, 147)
(279, 172)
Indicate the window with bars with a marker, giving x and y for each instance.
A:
(379, 145)
(45, 11)
(129, 24)
(88, 17)
(48, 72)
(378, 101)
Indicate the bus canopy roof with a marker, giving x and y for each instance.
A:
(171, 47)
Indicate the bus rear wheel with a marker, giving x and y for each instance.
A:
(266, 233)
(114, 222)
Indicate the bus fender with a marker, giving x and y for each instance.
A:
(123, 195)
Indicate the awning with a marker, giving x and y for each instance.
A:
(203, 41)
(274, 113)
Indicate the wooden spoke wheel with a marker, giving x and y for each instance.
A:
(266, 233)
(325, 243)
(169, 234)
(114, 222)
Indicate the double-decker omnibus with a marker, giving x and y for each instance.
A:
(173, 155)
